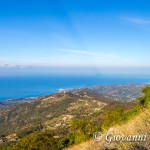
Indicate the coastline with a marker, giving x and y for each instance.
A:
(113, 90)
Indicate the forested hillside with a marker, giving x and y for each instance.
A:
(134, 122)
(123, 92)
(66, 118)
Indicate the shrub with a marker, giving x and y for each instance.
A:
(36, 141)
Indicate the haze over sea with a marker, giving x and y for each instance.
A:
(30, 86)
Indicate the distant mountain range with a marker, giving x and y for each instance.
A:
(13, 102)
(121, 92)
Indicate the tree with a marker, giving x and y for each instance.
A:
(36, 141)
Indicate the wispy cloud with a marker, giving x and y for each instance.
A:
(137, 20)
(7, 66)
(77, 51)
(88, 53)
(96, 58)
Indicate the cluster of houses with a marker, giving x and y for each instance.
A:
(100, 103)
(12, 138)
(65, 118)
(1, 141)
(59, 124)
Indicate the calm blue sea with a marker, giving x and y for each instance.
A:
(21, 87)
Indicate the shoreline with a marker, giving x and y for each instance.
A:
(68, 90)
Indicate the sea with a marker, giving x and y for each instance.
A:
(32, 86)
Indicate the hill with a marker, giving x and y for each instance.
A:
(47, 108)
(121, 92)
(132, 134)
(126, 119)
(139, 125)
(57, 113)
(13, 102)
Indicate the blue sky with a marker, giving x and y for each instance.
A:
(96, 34)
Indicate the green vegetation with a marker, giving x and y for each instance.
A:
(145, 100)
(27, 131)
(45, 109)
(7, 145)
(119, 116)
(13, 102)
(113, 117)
(59, 120)
(36, 141)
(83, 129)
(122, 92)
(80, 130)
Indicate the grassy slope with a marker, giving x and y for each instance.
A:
(137, 125)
